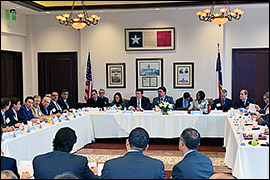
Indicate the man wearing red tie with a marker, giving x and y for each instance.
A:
(94, 101)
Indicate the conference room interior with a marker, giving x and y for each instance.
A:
(39, 55)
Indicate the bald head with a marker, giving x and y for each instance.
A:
(46, 101)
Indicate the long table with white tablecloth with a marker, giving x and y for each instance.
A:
(246, 162)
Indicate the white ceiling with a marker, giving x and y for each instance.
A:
(28, 11)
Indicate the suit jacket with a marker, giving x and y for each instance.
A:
(42, 108)
(133, 165)
(105, 101)
(239, 103)
(11, 115)
(227, 105)
(156, 101)
(47, 166)
(3, 122)
(262, 111)
(8, 163)
(54, 109)
(265, 120)
(145, 103)
(194, 166)
(179, 103)
(62, 104)
(94, 104)
(25, 114)
(37, 112)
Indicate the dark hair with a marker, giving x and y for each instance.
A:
(191, 138)
(94, 91)
(64, 139)
(186, 95)
(64, 90)
(202, 95)
(245, 91)
(66, 175)
(120, 97)
(162, 88)
(139, 90)
(138, 138)
(28, 97)
(4, 103)
(14, 100)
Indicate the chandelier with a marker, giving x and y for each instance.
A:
(220, 18)
(80, 21)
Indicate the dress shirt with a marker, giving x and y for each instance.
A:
(185, 103)
(65, 101)
(57, 105)
(187, 153)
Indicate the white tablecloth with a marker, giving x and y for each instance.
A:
(158, 126)
(29, 145)
(247, 162)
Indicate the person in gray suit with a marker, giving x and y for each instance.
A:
(134, 164)
(49, 165)
(194, 165)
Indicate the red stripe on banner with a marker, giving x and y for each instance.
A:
(164, 39)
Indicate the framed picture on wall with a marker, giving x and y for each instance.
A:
(142, 39)
(116, 75)
(183, 75)
(149, 73)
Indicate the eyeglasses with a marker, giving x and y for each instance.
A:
(66, 94)
(117, 97)
(54, 95)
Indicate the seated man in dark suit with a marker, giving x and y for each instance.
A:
(94, 101)
(223, 103)
(54, 105)
(243, 100)
(5, 121)
(63, 101)
(105, 100)
(12, 114)
(139, 102)
(194, 165)
(49, 165)
(264, 120)
(266, 100)
(26, 111)
(134, 164)
(162, 97)
(183, 102)
(45, 106)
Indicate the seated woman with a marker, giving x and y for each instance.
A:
(118, 101)
(200, 104)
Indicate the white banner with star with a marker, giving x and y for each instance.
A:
(150, 39)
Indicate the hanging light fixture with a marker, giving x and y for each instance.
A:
(220, 18)
(80, 21)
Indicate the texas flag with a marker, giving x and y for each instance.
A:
(150, 39)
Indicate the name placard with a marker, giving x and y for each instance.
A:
(17, 133)
(178, 112)
(54, 121)
(196, 112)
(216, 112)
(31, 129)
(111, 112)
(61, 119)
(93, 109)
(42, 125)
(6, 136)
(127, 112)
(148, 112)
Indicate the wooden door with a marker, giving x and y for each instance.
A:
(250, 70)
(58, 71)
(11, 74)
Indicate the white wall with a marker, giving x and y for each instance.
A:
(195, 42)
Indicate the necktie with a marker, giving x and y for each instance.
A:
(138, 106)
(57, 106)
(46, 111)
(67, 104)
(16, 117)
(185, 103)
(244, 102)
(222, 103)
(4, 118)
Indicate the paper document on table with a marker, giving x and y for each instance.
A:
(25, 166)
(100, 167)
(252, 107)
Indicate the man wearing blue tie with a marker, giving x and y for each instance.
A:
(162, 97)
(139, 102)
(183, 102)
(243, 100)
(54, 104)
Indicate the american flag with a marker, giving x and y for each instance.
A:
(88, 82)
(218, 69)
